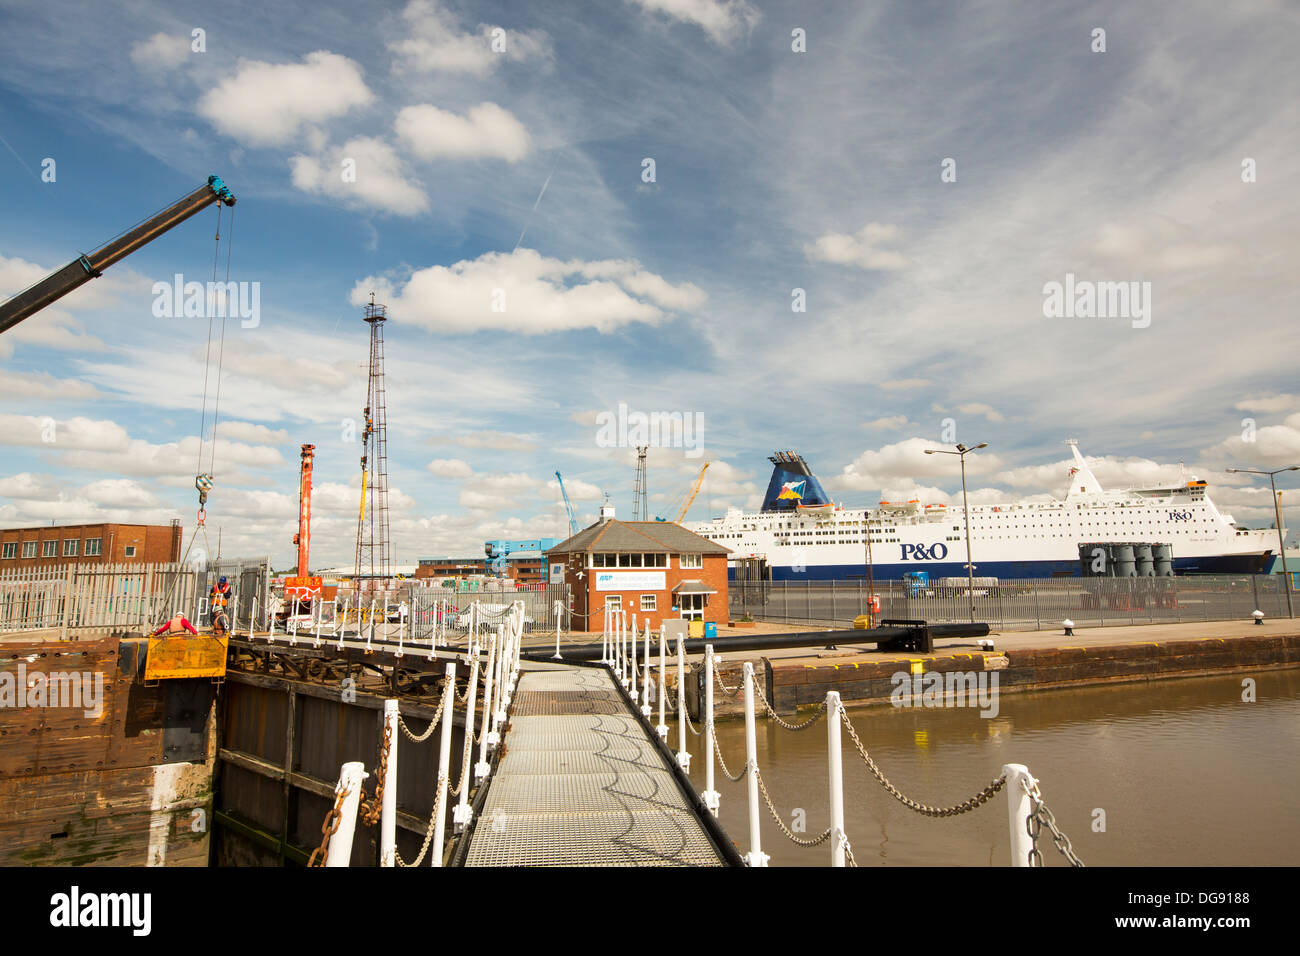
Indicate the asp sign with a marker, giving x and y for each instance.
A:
(920, 552)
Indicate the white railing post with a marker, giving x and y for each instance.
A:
(464, 813)
(1019, 807)
(755, 856)
(711, 797)
(319, 613)
(618, 646)
(559, 609)
(604, 637)
(444, 768)
(683, 755)
(645, 674)
(498, 708)
(662, 728)
(482, 768)
(370, 631)
(340, 627)
(339, 851)
(632, 664)
(252, 613)
(836, 768)
(388, 809)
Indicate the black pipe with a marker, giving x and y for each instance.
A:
(765, 642)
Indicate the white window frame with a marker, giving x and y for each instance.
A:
(692, 562)
(614, 601)
(71, 547)
(9, 550)
(649, 602)
(29, 549)
(130, 551)
(691, 613)
(99, 547)
(50, 548)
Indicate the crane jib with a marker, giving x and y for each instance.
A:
(91, 265)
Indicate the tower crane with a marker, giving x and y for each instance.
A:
(573, 518)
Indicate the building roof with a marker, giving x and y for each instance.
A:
(611, 534)
(693, 586)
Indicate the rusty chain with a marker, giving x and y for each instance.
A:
(965, 806)
(328, 829)
(371, 807)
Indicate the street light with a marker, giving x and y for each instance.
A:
(961, 452)
(1277, 516)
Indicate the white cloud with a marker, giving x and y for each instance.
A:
(162, 51)
(433, 41)
(722, 20)
(266, 104)
(486, 131)
(450, 468)
(899, 464)
(1268, 403)
(249, 432)
(382, 179)
(898, 385)
(43, 386)
(527, 293)
(862, 249)
(887, 422)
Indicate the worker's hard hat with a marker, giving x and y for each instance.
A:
(222, 581)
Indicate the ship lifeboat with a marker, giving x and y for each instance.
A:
(816, 509)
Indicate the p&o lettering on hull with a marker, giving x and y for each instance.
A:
(920, 552)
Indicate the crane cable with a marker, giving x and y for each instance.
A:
(203, 481)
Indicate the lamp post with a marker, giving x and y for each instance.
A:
(961, 453)
(1277, 516)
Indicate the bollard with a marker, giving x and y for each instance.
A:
(837, 776)
(483, 768)
(755, 856)
(662, 728)
(1019, 806)
(559, 609)
(463, 812)
(339, 851)
(444, 767)
(711, 797)
(683, 755)
(388, 809)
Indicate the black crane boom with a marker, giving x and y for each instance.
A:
(91, 265)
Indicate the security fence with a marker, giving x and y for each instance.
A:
(1026, 604)
(447, 610)
(71, 599)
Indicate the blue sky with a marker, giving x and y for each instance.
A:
(775, 170)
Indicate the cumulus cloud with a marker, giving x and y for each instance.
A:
(486, 131)
(43, 386)
(433, 41)
(382, 180)
(899, 464)
(450, 468)
(888, 421)
(525, 292)
(862, 249)
(162, 51)
(249, 432)
(1269, 403)
(722, 20)
(267, 104)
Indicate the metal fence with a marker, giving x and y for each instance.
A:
(74, 598)
(434, 607)
(1030, 604)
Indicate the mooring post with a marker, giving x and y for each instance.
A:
(662, 728)
(683, 755)
(711, 797)
(463, 812)
(482, 768)
(444, 768)
(1019, 807)
(836, 762)
(339, 851)
(388, 809)
(755, 856)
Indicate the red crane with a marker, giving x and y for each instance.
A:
(303, 538)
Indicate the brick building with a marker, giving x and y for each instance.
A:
(109, 543)
(522, 567)
(654, 569)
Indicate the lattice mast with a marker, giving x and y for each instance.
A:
(374, 559)
(640, 505)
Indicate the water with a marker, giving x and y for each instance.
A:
(1186, 773)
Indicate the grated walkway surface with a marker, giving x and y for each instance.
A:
(580, 783)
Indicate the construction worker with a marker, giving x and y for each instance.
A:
(177, 624)
(218, 599)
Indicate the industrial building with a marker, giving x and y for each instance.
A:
(656, 570)
(107, 543)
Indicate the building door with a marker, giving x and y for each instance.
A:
(692, 606)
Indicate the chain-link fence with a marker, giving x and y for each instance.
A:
(1026, 604)
(434, 607)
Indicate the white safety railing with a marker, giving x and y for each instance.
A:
(499, 679)
(1027, 813)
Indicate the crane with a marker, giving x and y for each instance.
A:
(91, 265)
(573, 518)
(690, 496)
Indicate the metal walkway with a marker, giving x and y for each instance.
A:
(582, 784)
